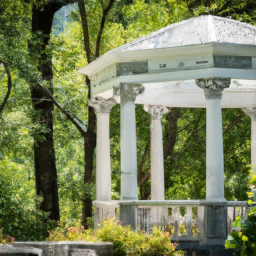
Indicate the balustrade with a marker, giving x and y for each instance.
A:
(185, 216)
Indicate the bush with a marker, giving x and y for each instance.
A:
(6, 239)
(19, 221)
(125, 241)
(245, 239)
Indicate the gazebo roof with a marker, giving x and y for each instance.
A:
(168, 61)
(199, 30)
(196, 31)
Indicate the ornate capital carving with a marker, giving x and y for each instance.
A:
(128, 92)
(251, 112)
(213, 87)
(102, 105)
(156, 112)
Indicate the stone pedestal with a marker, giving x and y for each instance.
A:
(215, 223)
(104, 210)
(129, 215)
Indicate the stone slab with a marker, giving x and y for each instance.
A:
(69, 248)
(16, 254)
(204, 252)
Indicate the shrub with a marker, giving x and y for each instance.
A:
(125, 241)
(6, 239)
(19, 221)
(245, 239)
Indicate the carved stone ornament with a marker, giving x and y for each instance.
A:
(128, 92)
(213, 86)
(102, 105)
(156, 112)
(251, 112)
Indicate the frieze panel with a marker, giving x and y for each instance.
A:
(132, 68)
(241, 62)
(106, 75)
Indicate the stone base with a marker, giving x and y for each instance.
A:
(15, 253)
(221, 252)
(215, 223)
(68, 248)
(10, 250)
(195, 249)
(129, 215)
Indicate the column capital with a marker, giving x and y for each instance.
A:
(128, 91)
(102, 105)
(251, 112)
(156, 112)
(213, 87)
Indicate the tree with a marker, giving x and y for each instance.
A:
(44, 153)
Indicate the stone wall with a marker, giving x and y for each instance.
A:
(69, 248)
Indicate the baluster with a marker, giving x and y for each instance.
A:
(148, 220)
(145, 220)
(176, 219)
(200, 220)
(150, 225)
(230, 218)
(188, 221)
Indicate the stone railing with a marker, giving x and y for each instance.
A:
(186, 216)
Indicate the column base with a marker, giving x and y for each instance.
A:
(215, 223)
(104, 210)
(128, 215)
(195, 249)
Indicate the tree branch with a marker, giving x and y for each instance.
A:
(102, 24)
(74, 119)
(85, 30)
(143, 176)
(233, 123)
(9, 86)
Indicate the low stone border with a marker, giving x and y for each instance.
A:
(67, 248)
(9, 250)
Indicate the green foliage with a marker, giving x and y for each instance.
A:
(245, 239)
(182, 229)
(18, 216)
(253, 180)
(237, 10)
(125, 241)
(6, 239)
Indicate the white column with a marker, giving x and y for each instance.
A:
(214, 141)
(156, 151)
(103, 171)
(252, 113)
(128, 93)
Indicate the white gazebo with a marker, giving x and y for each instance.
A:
(204, 62)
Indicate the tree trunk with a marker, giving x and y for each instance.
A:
(89, 146)
(90, 135)
(172, 131)
(44, 154)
